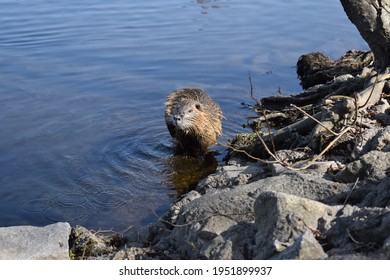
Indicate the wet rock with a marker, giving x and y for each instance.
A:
(156, 232)
(138, 236)
(35, 243)
(281, 219)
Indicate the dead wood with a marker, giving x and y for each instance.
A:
(328, 114)
(316, 68)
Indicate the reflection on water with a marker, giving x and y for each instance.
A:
(207, 4)
(82, 87)
(185, 172)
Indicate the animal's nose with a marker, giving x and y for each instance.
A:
(177, 117)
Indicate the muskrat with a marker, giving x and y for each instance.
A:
(193, 119)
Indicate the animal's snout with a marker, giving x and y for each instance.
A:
(178, 118)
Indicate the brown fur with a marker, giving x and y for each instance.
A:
(194, 120)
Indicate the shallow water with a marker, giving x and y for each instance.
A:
(82, 86)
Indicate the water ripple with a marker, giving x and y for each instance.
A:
(83, 83)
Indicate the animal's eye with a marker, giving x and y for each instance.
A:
(197, 106)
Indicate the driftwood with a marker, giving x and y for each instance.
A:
(321, 77)
(332, 111)
(348, 110)
(345, 85)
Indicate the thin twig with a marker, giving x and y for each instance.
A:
(246, 153)
(310, 163)
(251, 90)
(356, 109)
(352, 238)
(128, 228)
(349, 194)
(372, 91)
(269, 132)
(314, 119)
(273, 154)
(277, 160)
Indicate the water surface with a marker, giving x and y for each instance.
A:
(82, 86)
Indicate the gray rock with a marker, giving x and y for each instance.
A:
(289, 156)
(204, 223)
(374, 165)
(377, 196)
(175, 208)
(35, 243)
(236, 243)
(311, 186)
(373, 139)
(214, 214)
(230, 176)
(383, 114)
(214, 226)
(364, 230)
(282, 218)
(386, 248)
(306, 247)
(317, 168)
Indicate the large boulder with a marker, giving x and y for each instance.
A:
(35, 243)
(288, 221)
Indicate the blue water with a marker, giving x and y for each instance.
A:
(82, 86)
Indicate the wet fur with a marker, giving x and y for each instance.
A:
(193, 119)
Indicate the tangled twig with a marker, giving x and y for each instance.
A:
(272, 153)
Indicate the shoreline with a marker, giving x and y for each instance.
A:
(336, 208)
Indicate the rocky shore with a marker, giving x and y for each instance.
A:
(336, 208)
(247, 211)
